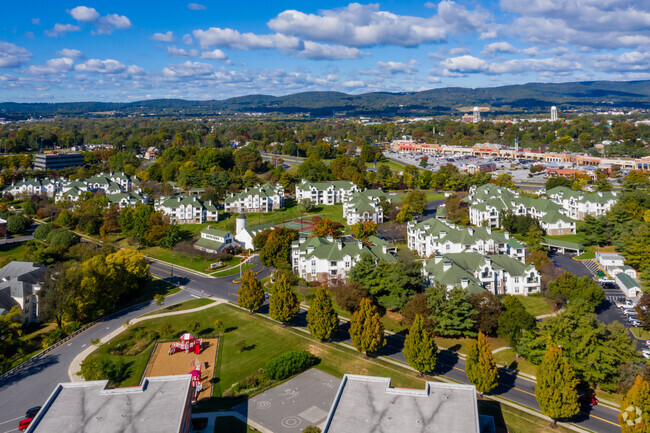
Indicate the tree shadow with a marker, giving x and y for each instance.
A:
(506, 381)
(447, 360)
(206, 331)
(230, 329)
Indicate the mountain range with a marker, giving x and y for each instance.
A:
(524, 98)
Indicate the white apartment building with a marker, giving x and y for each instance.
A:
(47, 186)
(259, 199)
(579, 204)
(187, 210)
(326, 193)
(365, 206)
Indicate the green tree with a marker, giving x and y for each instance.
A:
(420, 348)
(59, 292)
(635, 408)
(504, 180)
(534, 238)
(366, 329)
(405, 214)
(556, 386)
(250, 294)
(451, 311)
(43, 230)
(29, 208)
(277, 247)
(322, 320)
(17, 224)
(558, 181)
(487, 309)
(513, 320)
(583, 290)
(283, 304)
(480, 367)
(10, 342)
(417, 200)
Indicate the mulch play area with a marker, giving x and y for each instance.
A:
(180, 362)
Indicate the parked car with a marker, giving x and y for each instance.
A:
(629, 311)
(625, 304)
(646, 354)
(647, 342)
(24, 423)
(636, 323)
(31, 413)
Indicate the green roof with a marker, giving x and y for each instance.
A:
(563, 244)
(266, 190)
(329, 250)
(627, 281)
(208, 243)
(554, 216)
(215, 232)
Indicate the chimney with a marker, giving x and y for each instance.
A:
(427, 226)
(446, 266)
(360, 245)
(178, 198)
(330, 239)
(437, 258)
(471, 231)
(310, 249)
(489, 230)
(302, 239)
(209, 227)
(340, 244)
(506, 234)
(383, 249)
(600, 193)
(464, 282)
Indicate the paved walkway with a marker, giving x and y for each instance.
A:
(75, 365)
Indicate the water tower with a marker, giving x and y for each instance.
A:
(240, 223)
(477, 115)
(553, 113)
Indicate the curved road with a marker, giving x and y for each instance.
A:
(31, 386)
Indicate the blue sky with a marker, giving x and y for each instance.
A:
(132, 50)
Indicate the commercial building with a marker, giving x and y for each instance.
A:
(327, 193)
(214, 241)
(475, 272)
(58, 161)
(187, 210)
(160, 404)
(367, 404)
(259, 199)
(329, 260)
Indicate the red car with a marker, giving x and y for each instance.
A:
(588, 399)
(23, 424)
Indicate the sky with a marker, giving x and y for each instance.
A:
(61, 51)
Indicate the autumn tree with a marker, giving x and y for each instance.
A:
(325, 228)
(366, 329)
(251, 294)
(283, 304)
(480, 367)
(420, 348)
(59, 290)
(556, 386)
(635, 408)
(362, 230)
(322, 320)
(487, 309)
(417, 200)
(277, 247)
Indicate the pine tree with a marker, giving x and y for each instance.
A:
(322, 320)
(556, 386)
(284, 304)
(251, 294)
(635, 408)
(480, 367)
(420, 348)
(366, 329)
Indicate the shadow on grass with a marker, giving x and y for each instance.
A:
(493, 409)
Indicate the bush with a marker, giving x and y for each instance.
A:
(288, 364)
(17, 224)
(167, 330)
(90, 369)
(53, 337)
(62, 237)
(43, 230)
(250, 382)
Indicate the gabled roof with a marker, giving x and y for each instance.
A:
(322, 186)
(337, 249)
(266, 190)
(215, 232)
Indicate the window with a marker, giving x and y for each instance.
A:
(313, 263)
(516, 280)
(333, 263)
(313, 271)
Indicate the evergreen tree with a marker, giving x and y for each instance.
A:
(251, 294)
(556, 386)
(283, 305)
(322, 320)
(480, 367)
(366, 329)
(420, 348)
(635, 408)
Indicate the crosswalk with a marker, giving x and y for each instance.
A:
(592, 266)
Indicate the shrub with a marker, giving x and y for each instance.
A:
(311, 429)
(167, 330)
(53, 337)
(43, 230)
(90, 369)
(250, 382)
(62, 237)
(288, 364)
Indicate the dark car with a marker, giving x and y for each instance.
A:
(31, 413)
(589, 399)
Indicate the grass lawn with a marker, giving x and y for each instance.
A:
(641, 333)
(577, 238)
(187, 305)
(515, 420)
(536, 305)
(590, 251)
(460, 344)
(230, 424)
(17, 250)
(508, 357)
(393, 165)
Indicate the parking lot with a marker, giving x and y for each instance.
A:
(290, 407)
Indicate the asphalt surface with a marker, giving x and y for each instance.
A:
(31, 386)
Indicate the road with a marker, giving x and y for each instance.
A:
(31, 386)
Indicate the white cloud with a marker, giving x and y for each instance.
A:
(53, 66)
(195, 7)
(459, 51)
(105, 25)
(181, 52)
(187, 39)
(187, 69)
(108, 66)
(354, 83)
(70, 53)
(12, 56)
(633, 61)
(61, 30)
(230, 38)
(83, 13)
(393, 68)
(316, 51)
(463, 65)
(365, 25)
(497, 48)
(163, 37)
(215, 54)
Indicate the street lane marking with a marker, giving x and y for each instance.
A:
(602, 419)
(13, 419)
(194, 296)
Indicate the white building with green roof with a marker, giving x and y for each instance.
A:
(579, 204)
(326, 193)
(214, 241)
(130, 198)
(329, 260)
(110, 183)
(260, 199)
(366, 206)
(498, 274)
(187, 210)
(439, 236)
(47, 186)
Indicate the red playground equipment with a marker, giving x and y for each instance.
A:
(188, 344)
(196, 378)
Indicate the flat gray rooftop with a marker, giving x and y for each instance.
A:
(367, 404)
(88, 407)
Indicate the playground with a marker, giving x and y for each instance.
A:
(181, 357)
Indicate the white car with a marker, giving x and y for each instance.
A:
(625, 304)
(629, 311)
(646, 353)
(636, 323)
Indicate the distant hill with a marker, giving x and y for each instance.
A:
(532, 97)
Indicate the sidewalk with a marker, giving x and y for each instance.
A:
(75, 365)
